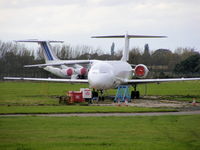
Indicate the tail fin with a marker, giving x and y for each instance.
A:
(49, 55)
(125, 55)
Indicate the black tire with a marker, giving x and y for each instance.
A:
(103, 98)
(133, 94)
(137, 94)
(100, 98)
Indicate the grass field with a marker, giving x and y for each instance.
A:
(34, 93)
(112, 133)
(77, 109)
(44, 93)
(35, 133)
(16, 94)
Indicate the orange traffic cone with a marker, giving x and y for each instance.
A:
(194, 102)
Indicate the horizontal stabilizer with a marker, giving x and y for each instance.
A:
(125, 55)
(39, 41)
(129, 36)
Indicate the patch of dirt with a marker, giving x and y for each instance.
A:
(156, 101)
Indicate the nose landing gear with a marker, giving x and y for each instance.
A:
(98, 95)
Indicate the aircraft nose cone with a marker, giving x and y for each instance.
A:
(101, 81)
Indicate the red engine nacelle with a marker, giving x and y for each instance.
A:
(69, 71)
(81, 71)
(141, 71)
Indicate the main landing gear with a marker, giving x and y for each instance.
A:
(135, 93)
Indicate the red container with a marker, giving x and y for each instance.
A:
(76, 96)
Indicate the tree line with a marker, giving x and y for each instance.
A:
(162, 63)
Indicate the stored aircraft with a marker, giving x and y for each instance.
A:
(101, 75)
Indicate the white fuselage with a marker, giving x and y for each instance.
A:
(109, 74)
(102, 74)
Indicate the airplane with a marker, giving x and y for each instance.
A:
(101, 75)
(72, 70)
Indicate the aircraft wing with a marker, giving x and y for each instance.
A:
(69, 62)
(48, 79)
(144, 81)
(132, 82)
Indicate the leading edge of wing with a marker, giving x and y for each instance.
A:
(69, 62)
(141, 81)
(48, 79)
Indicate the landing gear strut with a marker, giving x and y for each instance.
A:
(101, 97)
(135, 93)
(98, 94)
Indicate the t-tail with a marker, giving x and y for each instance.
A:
(49, 54)
(125, 55)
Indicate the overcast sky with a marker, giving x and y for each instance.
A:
(75, 21)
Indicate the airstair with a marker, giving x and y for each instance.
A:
(123, 94)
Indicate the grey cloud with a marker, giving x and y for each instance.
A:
(37, 3)
(177, 19)
(143, 2)
(111, 3)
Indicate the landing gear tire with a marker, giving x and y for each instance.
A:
(135, 94)
(101, 98)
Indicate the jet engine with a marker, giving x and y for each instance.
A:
(81, 71)
(140, 71)
(68, 71)
(75, 72)
(65, 72)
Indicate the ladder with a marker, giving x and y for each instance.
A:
(123, 94)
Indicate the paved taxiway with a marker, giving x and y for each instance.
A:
(108, 114)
